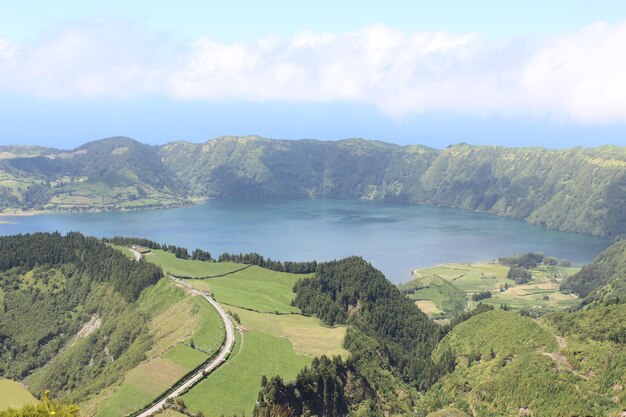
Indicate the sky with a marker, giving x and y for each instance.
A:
(513, 73)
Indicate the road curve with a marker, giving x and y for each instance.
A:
(219, 359)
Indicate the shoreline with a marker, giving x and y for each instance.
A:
(28, 213)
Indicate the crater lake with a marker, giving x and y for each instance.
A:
(395, 238)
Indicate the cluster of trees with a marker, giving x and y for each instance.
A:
(89, 255)
(481, 295)
(531, 260)
(525, 260)
(353, 291)
(200, 255)
(317, 391)
(256, 259)
(519, 274)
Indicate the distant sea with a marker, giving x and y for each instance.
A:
(395, 238)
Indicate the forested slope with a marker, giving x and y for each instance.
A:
(604, 280)
(67, 315)
(578, 190)
(510, 365)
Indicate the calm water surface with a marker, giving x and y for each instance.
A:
(394, 237)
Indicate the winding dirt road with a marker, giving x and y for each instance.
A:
(219, 359)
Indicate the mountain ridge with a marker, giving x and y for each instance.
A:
(575, 189)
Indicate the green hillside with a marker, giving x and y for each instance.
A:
(69, 320)
(509, 365)
(604, 280)
(109, 174)
(81, 317)
(579, 190)
(389, 339)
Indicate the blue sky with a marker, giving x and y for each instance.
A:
(517, 73)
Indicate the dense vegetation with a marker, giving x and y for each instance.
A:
(604, 280)
(67, 319)
(581, 190)
(87, 254)
(524, 260)
(510, 365)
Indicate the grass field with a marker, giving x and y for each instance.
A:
(233, 388)
(428, 307)
(439, 300)
(255, 287)
(176, 320)
(435, 296)
(307, 334)
(14, 395)
(187, 267)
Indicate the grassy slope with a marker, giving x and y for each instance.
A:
(176, 319)
(532, 369)
(14, 395)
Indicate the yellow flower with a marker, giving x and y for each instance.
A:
(52, 413)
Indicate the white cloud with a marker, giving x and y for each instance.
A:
(578, 76)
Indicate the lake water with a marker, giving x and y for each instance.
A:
(393, 237)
